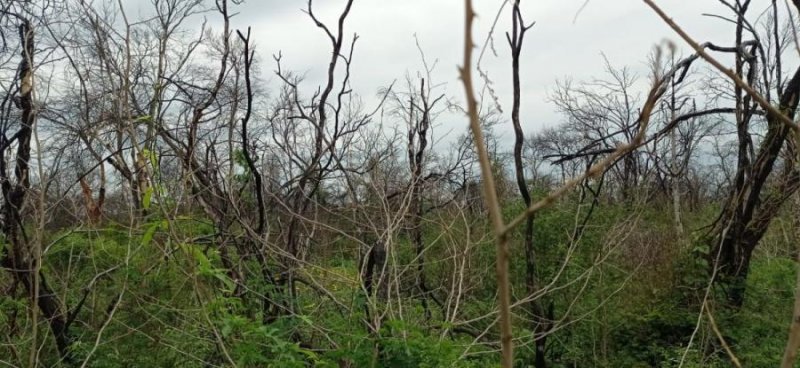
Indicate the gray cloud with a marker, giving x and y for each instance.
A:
(560, 45)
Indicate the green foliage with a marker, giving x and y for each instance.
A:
(253, 344)
(766, 315)
(636, 308)
(650, 321)
(404, 345)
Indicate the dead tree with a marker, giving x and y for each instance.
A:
(760, 186)
(309, 180)
(420, 111)
(19, 254)
(418, 130)
(539, 319)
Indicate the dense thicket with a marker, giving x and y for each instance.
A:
(171, 197)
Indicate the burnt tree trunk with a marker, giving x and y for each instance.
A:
(747, 213)
(372, 276)
(416, 161)
(23, 264)
(539, 320)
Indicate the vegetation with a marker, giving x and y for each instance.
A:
(165, 203)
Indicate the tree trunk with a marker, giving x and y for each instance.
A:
(24, 265)
(539, 321)
(747, 214)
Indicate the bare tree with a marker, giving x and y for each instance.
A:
(539, 319)
(22, 256)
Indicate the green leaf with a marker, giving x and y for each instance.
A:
(148, 196)
(147, 238)
(143, 119)
(204, 264)
(230, 286)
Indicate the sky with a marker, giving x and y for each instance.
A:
(569, 40)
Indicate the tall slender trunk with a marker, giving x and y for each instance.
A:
(417, 163)
(539, 320)
(674, 169)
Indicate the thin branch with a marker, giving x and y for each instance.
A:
(772, 111)
(490, 194)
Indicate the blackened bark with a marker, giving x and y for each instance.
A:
(374, 260)
(748, 213)
(248, 62)
(20, 260)
(417, 163)
(538, 320)
(310, 180)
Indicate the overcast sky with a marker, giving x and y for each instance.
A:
(568, 40)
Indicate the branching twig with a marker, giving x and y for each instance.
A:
(644, 118)
(700, 50)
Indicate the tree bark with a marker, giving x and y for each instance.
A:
(24, 266)
(749, 212)
(539, 321)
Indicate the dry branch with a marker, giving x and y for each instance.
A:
(490, 194)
